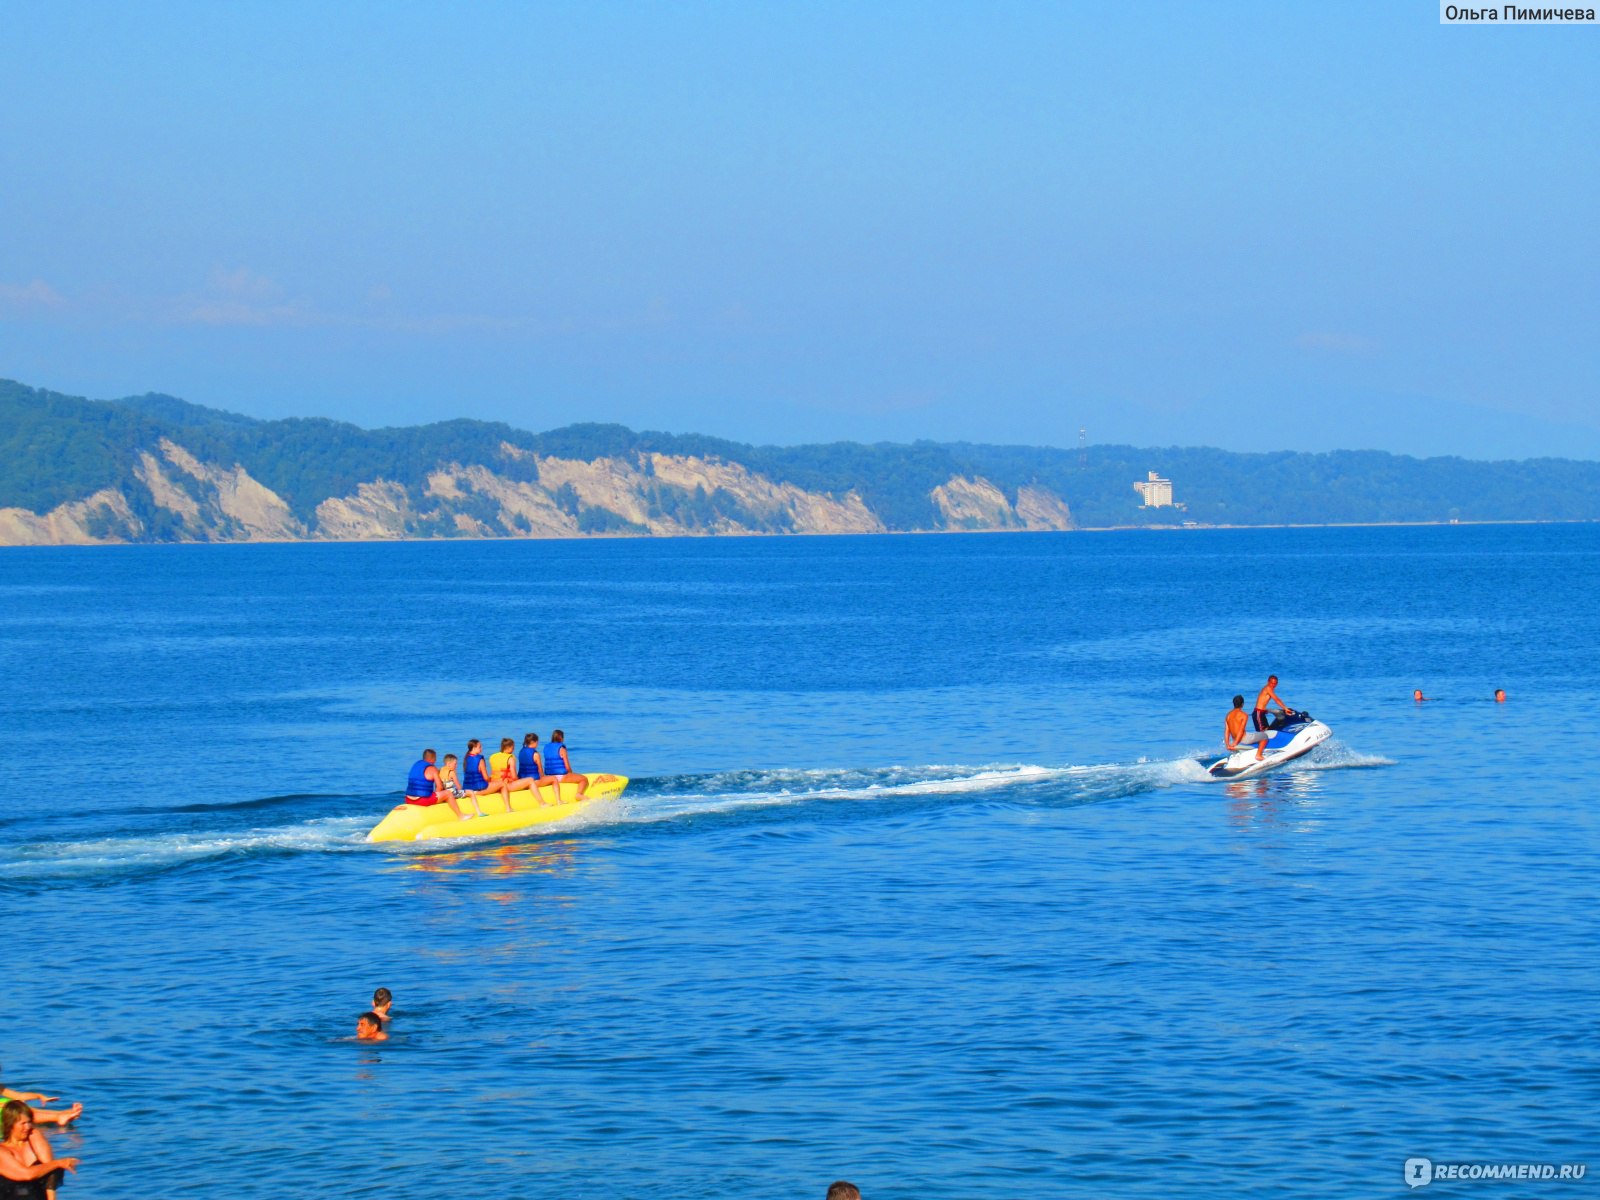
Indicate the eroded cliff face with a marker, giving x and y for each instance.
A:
(102, 517)
(176, 496)
(215, 503)
(1040, 508)
(375, 512)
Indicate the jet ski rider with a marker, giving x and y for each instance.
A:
(1234, 734)
(1269, 695)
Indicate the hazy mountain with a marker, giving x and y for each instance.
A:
(156, 468)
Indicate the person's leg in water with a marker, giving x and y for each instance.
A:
(41, 1151)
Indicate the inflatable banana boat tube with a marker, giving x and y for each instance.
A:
(417, 823)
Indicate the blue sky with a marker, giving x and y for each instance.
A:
(1255, 226)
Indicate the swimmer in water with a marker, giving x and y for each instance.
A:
(381, 1000)
(1418, 696)
(42, 1116)
(369, 1028)
(25, 1155)
(1234, 734)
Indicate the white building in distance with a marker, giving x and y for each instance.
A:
(1157, 492)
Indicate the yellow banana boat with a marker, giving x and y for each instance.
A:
(417, 823)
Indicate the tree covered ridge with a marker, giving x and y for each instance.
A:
(60, 448)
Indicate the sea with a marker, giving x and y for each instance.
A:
(919, 882)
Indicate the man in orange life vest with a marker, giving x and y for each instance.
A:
(1235, 735)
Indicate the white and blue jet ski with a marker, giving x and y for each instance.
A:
(1293, 734)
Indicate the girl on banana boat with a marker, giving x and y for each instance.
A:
(559, 766)
(504, 772)
(475, 779)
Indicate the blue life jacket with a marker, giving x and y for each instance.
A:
(552, 759)
(528, 762)
(419, 785)
(472, 776)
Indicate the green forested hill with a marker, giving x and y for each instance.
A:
(61, 448)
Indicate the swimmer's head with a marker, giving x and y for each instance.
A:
(843, 1190)
(530, 739)
(1499, 695)
(506, 744)
(1417, 695)
(369, 1027)
(1238, 701)
(381, 997)
(14, 1111)
(1272, 679)
(428, 756)
(557, 736)
(473, 745)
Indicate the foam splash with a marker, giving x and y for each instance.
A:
(647, 801)
(156, 852)
(1334, 755)
(694, 796)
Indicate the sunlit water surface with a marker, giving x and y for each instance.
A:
(918, 882)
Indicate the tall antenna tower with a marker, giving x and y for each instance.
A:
(1083, 447)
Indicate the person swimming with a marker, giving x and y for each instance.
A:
(26, 1160)
(381, 1001)
(43, 1116)
(369, 1028)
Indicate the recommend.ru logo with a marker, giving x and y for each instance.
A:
(1422, 1171)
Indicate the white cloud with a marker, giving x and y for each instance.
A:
(33, 296)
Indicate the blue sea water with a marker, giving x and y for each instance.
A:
(918, 882)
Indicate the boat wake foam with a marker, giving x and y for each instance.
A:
(647, 801)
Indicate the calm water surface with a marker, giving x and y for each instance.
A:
(917, 883)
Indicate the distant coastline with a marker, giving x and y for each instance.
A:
(155, 469)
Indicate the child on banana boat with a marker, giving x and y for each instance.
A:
(475, 778)
(506, 768)
(535, 769)
(559, 766)
(529, 766)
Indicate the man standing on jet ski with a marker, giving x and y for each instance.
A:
(1269, 695)
(1234, 734)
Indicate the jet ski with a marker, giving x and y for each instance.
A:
(1293, 734)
